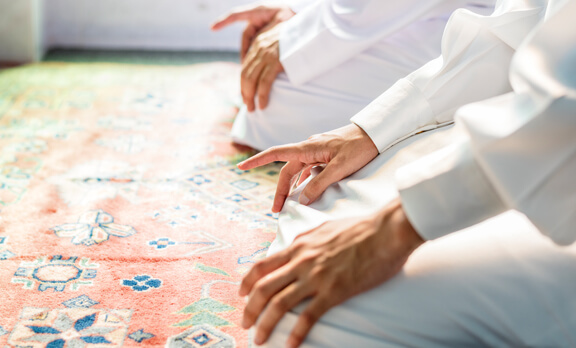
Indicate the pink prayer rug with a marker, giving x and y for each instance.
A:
(123, 218)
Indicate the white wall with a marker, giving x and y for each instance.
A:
(139, 24)
(27, 27)
(20, 30)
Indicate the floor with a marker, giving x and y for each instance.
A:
(139, 57)
(174, 58)
(118, 183)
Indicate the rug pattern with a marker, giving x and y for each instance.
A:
(123, 218)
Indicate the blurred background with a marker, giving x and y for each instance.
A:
(162, 31)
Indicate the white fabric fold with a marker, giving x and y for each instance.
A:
(474, 65)
(519, 152)
(328, 33)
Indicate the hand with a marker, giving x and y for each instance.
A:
(328, 265)
(260, 52)
(260, 68)
(344, 151)
(258, 17)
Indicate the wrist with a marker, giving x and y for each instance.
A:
(394, 223)
(406, 231)
(365, 140)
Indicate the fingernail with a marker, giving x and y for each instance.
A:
(303, 199)
(259, 339)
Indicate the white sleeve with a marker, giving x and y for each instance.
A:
(299, 5)
(518, 152)
(474, 65)
(329, 32)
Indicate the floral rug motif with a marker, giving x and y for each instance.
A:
(124, 221)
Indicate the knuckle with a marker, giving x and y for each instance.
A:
(249, 97)
(304, 262)
(250, 313)
(263, 288)
(258, 268)
(313, 187)
(280, 304)
(308, 147)
(285, 171)
(316, 273)
(249, 78)
(273, 149)
(298, 245)
(268, 79)
(309, 317)
(260, 289)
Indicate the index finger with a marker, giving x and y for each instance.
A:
(283, 153)
(229, 19)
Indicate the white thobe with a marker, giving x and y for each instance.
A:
(519, 151)
(474, 65)
(338, 56)
(502, 282)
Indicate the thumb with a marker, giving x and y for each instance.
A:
(331, 174)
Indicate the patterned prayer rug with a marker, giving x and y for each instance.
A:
(123, 218)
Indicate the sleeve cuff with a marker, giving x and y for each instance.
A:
(447, 191)
(297, 48)
(397, 114)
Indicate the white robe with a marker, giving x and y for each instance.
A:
(338, 56)
(502, 282)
